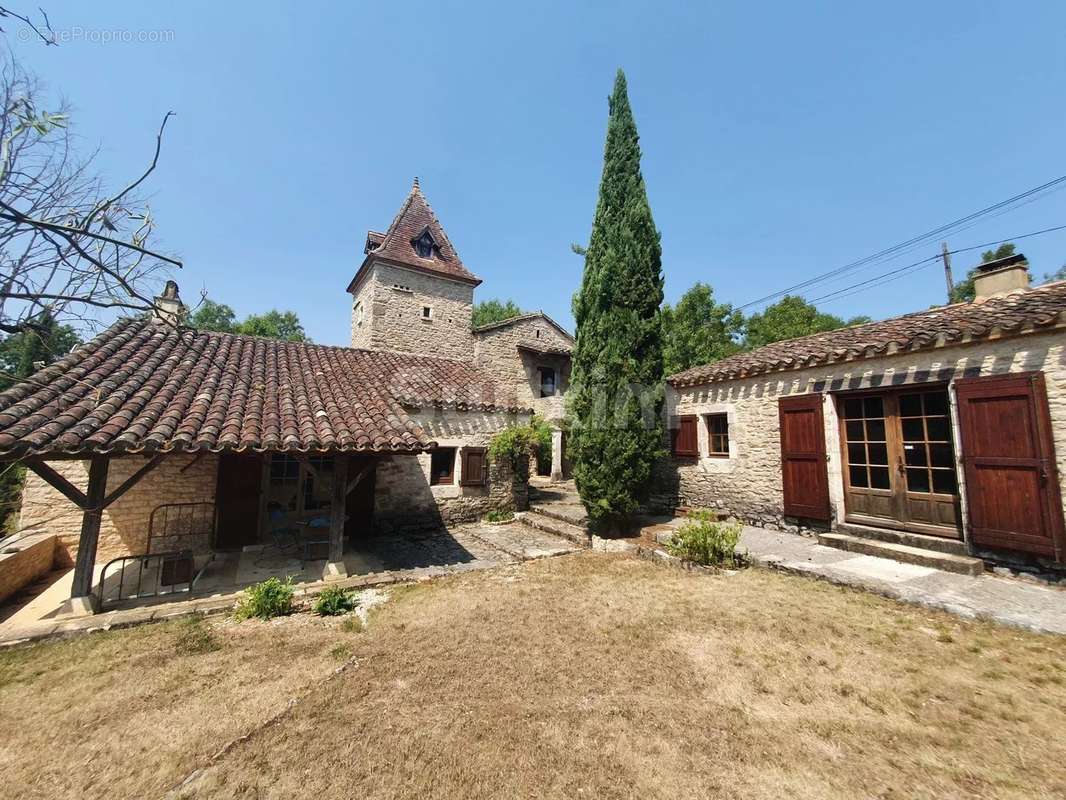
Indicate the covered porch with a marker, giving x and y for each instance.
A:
(303, 515)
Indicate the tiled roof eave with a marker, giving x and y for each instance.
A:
(83, 452)
(992, 334)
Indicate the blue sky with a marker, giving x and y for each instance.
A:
(780, 139)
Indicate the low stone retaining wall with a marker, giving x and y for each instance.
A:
(24, 561)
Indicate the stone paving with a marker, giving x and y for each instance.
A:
(376, 562)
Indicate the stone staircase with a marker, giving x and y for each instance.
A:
(949, 555)
(555, 508)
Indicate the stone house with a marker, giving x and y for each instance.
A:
(157, 438)
(941, 432)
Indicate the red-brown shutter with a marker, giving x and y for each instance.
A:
(804, 476)
(1008, 457)
(683, 441)
(475, 467)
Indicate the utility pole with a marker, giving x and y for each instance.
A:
(944, 254)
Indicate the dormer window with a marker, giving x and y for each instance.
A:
(424, 245)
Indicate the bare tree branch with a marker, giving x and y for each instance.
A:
(48, 38)
(67, 246)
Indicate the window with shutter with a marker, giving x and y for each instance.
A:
(683, 443)
(475, 467)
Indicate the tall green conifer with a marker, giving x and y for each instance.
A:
(616, 383)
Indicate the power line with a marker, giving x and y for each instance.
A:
(903, 271)
(897, 249)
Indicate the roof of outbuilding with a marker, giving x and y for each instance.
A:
(144, 386)
(396, 244)
(1027, 311)
(503, 323)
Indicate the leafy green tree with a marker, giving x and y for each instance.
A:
(488, 311)
(1057, 275)
(212, 316)
(616, 429)
(274, 324)
(43, 341)
(964, 291)
(790, 318)
(699, 330)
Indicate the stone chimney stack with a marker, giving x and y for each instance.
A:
(1002, 276)
(168, 306)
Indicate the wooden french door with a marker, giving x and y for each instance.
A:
(899, 460)
(1012, 487)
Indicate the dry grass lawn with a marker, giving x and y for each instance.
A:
(585, 676)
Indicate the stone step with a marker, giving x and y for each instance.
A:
(963, 565)
(941, 544)
(558, 527)
(553, 495)
(574, 513)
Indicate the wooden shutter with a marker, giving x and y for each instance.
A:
(683, 441)
(804, 477)
(475, 467)
(1008, 457)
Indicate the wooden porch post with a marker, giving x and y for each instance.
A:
(90, 527)
(335, 567)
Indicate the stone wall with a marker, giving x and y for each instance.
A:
(389, 315)
(405, 500)
(497, 354)
(125, 524)
(747, 484)
(24, 561)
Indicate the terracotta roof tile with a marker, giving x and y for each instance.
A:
(143, 386)
(1019, 312)
(395, 245)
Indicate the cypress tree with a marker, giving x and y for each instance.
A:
(616, 430)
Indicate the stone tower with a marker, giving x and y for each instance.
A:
(412, 293)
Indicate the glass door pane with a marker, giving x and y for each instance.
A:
(928, 452)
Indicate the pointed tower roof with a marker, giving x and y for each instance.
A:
(414, 233)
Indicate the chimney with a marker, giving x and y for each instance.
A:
(1002, 276)
(168, 306)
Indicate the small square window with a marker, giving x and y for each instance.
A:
(718, 435)
(442, 467)
(427, 312)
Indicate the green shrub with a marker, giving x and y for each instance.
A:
(271, 598)
(499, 515)
(519, 441)
(194, 637)
(334, 601)
(703, 540)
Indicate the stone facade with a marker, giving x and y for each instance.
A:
(125, 525)
(496, 352)
(748, 485)
(404, 499)
(388, 313)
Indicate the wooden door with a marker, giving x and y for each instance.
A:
(899, 461)
(1008, 456)
(237, 494)
(803, 458)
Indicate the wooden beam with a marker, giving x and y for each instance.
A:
(337, 508)
(59, 483)
(132, 480)
(90, 527)
(359, 477)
